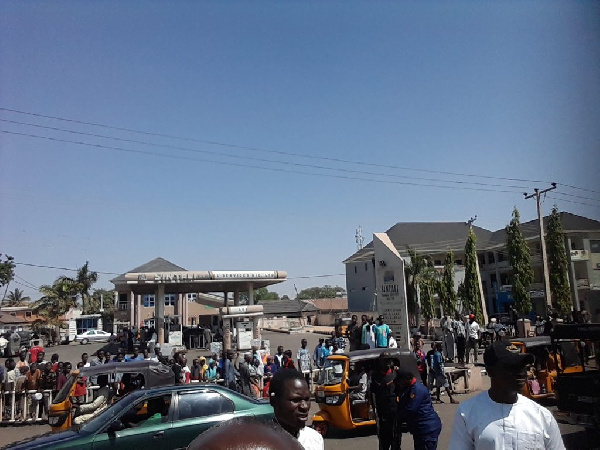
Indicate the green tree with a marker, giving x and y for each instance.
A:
(447, 292)
(326, 291)
(7, 269)
(16, 298)
(418, 271)
(427, 288)
(520, 260)
(558, 264)
(100, 297)
(56, 301)
(470, 289)
(260, 294)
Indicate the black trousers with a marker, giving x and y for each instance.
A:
(460, 348)
(389, 434)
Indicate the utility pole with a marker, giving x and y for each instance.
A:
(481, 294)
(537, 194)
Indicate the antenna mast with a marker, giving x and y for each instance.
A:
(359, 238)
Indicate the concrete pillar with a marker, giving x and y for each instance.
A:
(226, 334)
(181, 310)
(159, 313)
(236, 297)
(131, 308)
(114, 330)
(225, 295)
(139, 310)
(572, 277)
(251, 293)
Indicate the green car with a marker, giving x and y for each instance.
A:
(168, 417)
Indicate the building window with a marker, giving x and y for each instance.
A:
(27, 313)
(366, 267)
(122, 305)
(169, 300)
(83, 325)
(594, 246)
(504, 280)
(437, 262)
(501, 257)
(364, 288)
(458, 262)
(481, 258)
(491, 259)
(355, 269)
(148, 300)
(149, 323)
(192, 297)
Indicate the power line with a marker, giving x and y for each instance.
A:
(311, 166)
(258, 149)
(31, 285)
(61, 268)
(572, 201)
(577, 196)
(145, 152)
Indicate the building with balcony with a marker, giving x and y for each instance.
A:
(582, 240)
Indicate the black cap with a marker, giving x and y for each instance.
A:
(507, 354)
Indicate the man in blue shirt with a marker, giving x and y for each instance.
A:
(441, 381)
(382, 333)
(415, 408)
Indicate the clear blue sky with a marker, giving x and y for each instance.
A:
(496, 89)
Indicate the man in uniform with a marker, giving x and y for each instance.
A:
(415, 408)
(383, 392)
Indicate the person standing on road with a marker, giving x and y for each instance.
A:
(354, 334)
(501, 418)
(472, 338)
(365, 328)
(421, 362)
(304, 360)
(460, 336)
(415, 408)
(279, 357)
(383, 393)
(382, 333)
(317, 357)
(437, 364)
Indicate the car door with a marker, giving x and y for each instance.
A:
(196, 412)
(144, 424)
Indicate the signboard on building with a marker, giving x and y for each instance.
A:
(391, 288)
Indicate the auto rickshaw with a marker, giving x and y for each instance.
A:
(333, 391)
(145, 373)
(541, 377)
(578, 392)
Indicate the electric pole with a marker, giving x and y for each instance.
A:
(537, 194)
(481, 293)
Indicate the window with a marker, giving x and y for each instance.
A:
(491, 259)
(366, 266)
(481, 258)
(169, 299)
(123, 303)
(148, 300)
(149, 323)
(157, 411)
(501, 257)
(202, 404)
(27, 313)
(355, 269)
(437, 262)
(364, 288)
(192, 297)
(83, 325)
(595, 246)
(458, 262)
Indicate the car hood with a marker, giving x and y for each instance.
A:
(45, 440)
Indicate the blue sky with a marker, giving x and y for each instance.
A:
(494, 89)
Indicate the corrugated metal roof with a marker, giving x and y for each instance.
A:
(156, 265)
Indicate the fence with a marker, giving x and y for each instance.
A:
(19, 407)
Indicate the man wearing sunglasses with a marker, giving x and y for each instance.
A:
(501, 418)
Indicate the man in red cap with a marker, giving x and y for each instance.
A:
(472, 338)
(501, 418)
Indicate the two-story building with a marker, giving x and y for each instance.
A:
(582, 239)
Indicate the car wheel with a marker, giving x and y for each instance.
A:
(85, 341)
(321, 427)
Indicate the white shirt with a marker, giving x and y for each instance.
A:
(310, 439)
(482, 424)
(473, 330)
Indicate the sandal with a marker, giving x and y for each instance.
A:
(455, 402)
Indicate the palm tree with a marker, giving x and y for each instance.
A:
(56, 301)
(83, 282)
(418, 271)
(16, 298)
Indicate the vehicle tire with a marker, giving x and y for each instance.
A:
(85, 341)
(321, 427)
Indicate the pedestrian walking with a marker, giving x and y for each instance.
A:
(383, 395)
(472, 338)
(441, 381)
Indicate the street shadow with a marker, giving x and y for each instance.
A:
(582, 440)
(365, 431)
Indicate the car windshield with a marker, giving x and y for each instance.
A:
(64, 391)
(105, 417)
(332, 372)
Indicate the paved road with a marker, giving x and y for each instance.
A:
(575, 437)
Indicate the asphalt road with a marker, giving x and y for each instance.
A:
(574, 437)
